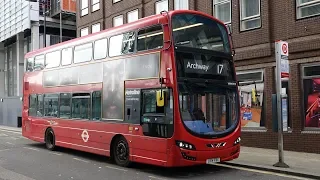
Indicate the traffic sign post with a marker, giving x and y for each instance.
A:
(282, 69)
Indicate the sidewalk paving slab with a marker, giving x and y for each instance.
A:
(300, 164)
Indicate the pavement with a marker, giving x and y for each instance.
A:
(23, 159)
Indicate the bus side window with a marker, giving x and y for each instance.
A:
(81, 106)
(51, 103)
(65, 105)
(40, 105)
(39, 62)
(150, 38)
(32, 105)
(122, 44)
(96, 105)
(100, 49)
(30, 63)
(66, 56)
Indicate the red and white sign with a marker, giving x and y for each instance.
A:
(284, 48)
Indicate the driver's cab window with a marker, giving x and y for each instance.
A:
(157, 117)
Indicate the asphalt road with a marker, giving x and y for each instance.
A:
(23, 159)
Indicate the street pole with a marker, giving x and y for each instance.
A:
(279, 51)
(44, 23)
(60, 27)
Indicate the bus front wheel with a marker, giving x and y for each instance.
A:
(50, 140)
(121, 152)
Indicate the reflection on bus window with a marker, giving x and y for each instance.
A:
(40, 105)
(39, 62)
(83, 53)
(53, 59)
(150, 38)
(81, 106)
(100, 49)
(122, 44)
(30, 63)
(96, 105)
(65, 105)
(32, 105)
(66, 56)
(51, 102)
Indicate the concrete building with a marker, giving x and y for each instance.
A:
(21, 31)
(256, 25)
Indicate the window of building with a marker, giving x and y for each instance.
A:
(84, 32)
(95, 5)
(30, 63)
(39, 62)
(251, 88)
(181, 4)
(222, 10)
(100, 49)
(308, 8)
(32, 105)
(122, 44)
(53, 59)
(115, 1)
(51, 105)
(162, 5)
(66, 56)
(65, 105)
(40, 105)
(133, 15)
(81, 106)
(311, 94)
(118, 20)
(150, 38)
(82, 53)
(96, 105)
(250, 14)
(95, 28)
(84, 7)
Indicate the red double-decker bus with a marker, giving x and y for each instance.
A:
(161, 90)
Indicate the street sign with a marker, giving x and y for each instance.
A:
(282, 68)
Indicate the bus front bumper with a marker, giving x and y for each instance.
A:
(182, 157)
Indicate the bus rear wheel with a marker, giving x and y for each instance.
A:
(50, 140)
(121, 152)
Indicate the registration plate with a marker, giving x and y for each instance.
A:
(213, 161)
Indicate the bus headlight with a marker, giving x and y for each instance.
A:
(237, 141)
(185, 145)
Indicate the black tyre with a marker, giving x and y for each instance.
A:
(121, 154)
(50, 140)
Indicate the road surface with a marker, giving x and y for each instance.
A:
(23, 159)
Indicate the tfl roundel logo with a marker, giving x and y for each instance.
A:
(284, 48)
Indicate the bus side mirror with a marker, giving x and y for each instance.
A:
(160, 98)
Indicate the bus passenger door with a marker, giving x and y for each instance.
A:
(150, 132)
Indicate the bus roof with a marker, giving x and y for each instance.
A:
(140, 23)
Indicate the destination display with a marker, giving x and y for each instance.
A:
(200, 66)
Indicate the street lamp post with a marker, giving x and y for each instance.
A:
(44, 23)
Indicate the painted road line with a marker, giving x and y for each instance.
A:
(81, 160)
(3, 135)
(15, 132)
(10, 143)
(14, 138)
(31, 149)
(58, 154)
(120, 169)
(262, 172)
(1, 150)
(153, 177)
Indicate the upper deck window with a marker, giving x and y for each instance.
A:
(66, 58)
(150, 38)
(122, 44)
(30, 64)
(39, 62)
(200, 32)
(100, 49)
(83, 53)
(53, 59)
